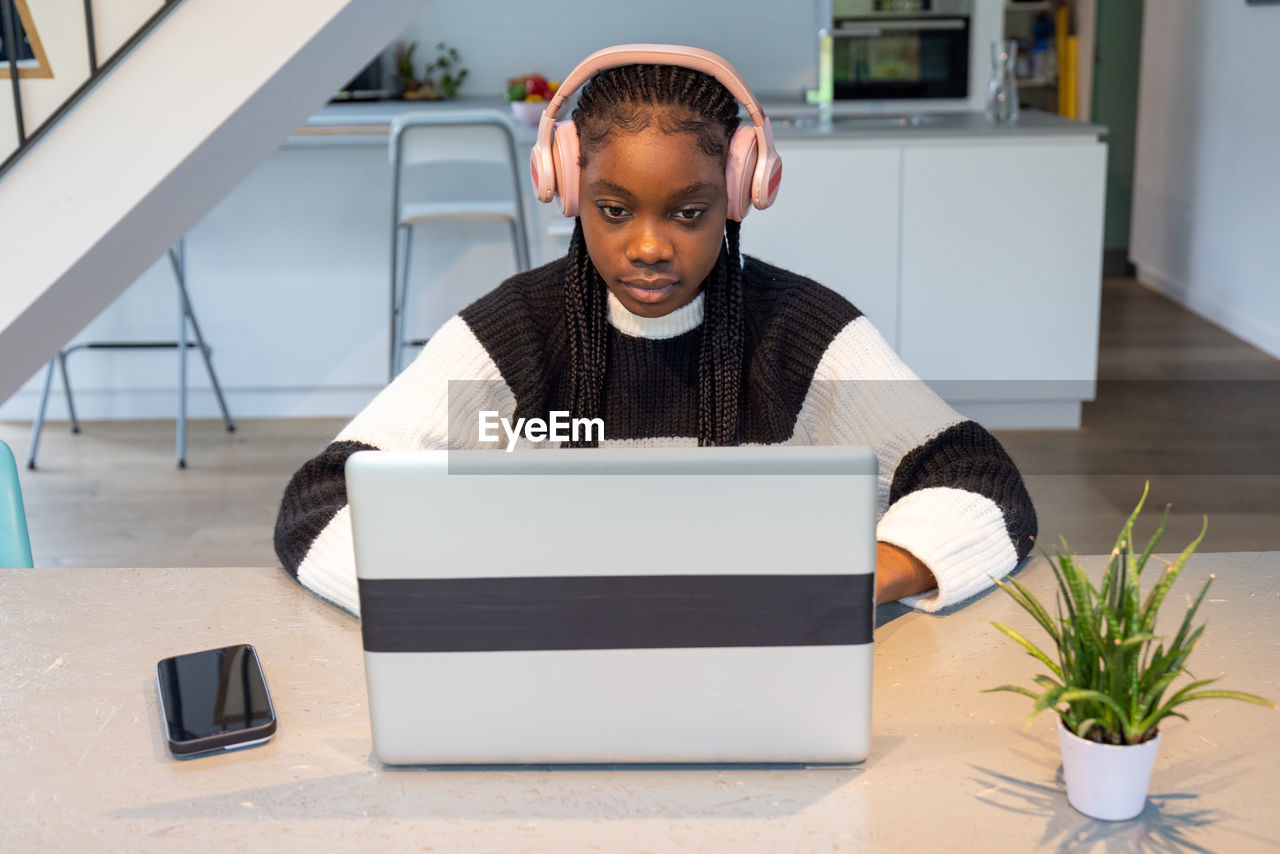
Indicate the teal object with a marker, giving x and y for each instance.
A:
(15, 547)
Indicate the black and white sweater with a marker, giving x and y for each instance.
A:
(816, 372)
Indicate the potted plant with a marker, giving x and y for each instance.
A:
(1112, 680)
(411, 88)
(429, 87)
(451, 71)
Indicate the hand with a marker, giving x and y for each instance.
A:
(899, 573)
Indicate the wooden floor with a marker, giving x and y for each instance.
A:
(1180, 403)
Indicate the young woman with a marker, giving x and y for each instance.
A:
(656, 324)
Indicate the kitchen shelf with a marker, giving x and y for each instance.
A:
(1037, 89)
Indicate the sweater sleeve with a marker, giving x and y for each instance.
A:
(452, 376)
(948, 492)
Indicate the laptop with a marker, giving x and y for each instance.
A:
(611, 606)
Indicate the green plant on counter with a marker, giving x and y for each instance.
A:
(404, 65)
(451, 72)
(1113, 671)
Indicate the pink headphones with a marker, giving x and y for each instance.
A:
(752, 172)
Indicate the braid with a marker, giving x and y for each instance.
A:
(625, 99)
(586, 314)
(720, 359)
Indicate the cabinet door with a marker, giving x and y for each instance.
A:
(836, 221)
(1001, 267)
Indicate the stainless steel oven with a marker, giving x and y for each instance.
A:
(901, 49)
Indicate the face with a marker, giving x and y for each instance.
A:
(653, 212)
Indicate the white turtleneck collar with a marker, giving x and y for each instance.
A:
(670, 325)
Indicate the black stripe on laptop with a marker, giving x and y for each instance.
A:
(615, 612)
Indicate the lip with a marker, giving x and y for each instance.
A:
(650, 290)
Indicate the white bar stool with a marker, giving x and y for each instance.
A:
(437, 137)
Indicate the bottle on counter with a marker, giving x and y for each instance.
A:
(1002, 92)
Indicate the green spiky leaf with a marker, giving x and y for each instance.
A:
(1112, 670)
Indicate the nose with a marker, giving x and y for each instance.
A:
(648, 246)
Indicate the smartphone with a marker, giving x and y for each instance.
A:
(214, 700)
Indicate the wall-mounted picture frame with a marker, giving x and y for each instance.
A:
(32, 61)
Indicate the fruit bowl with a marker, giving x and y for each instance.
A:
(528, 112)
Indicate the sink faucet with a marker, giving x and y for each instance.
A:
(824, 95)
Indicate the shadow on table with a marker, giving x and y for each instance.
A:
(526, 793)
(1167, 822)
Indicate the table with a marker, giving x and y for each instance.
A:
(85, 763)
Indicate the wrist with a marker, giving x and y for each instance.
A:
(899, 573)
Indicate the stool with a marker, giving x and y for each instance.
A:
(433, 137)
(186, 314)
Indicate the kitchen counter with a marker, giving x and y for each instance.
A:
(802, 123)
(369, 123)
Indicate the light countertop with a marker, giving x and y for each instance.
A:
(950, 769)
(793, 121)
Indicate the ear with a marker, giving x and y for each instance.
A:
(564, 154)
(739, 171)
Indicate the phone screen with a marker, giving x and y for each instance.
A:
(213, 693)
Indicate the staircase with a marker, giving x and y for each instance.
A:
(152, 145)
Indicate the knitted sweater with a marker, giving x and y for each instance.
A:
(815, 372)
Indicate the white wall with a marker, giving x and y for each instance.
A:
(60, 28)
(1206, 202)
(772, 43)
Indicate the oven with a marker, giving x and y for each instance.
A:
(901, 49)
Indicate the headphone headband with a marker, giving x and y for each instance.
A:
(654, 54)
(754, 167)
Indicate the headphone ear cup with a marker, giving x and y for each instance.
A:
(765, 188)
(739, 171)
(564, 154)
(543, 173)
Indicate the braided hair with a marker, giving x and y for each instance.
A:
(628, 99)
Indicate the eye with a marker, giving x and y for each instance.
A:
(689, 214)
(610, 212)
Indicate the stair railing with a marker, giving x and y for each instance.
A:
(15, 41)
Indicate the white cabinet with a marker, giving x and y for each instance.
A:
(1001, 271)
(978, 259)
(836, 221)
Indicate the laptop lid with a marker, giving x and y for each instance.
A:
(617, 605)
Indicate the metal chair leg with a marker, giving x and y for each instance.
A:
(394, 313)
(520, 237)
(404, 300)
(66, 390)
(521, 266)
(179, 273)
(37, 427)
(181, 433)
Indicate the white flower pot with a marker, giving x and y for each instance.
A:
(1103, 780)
